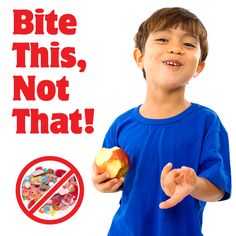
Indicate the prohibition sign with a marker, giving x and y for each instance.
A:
(72, 171)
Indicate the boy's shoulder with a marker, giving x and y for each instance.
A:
(126, 115)
(209, 117)
(205, 111)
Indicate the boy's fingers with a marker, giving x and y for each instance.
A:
(164, 171)
(102, 181)
(117, 185)
(97, 179)
(172, 201)
(166, 168)
(179, 178)
(111, 185)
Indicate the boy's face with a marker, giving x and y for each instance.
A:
(170, 58)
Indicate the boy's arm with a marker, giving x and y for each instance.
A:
(178, 183)
(206, 191)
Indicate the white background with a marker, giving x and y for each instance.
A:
(111, 84)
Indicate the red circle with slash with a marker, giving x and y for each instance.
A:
(72, 171)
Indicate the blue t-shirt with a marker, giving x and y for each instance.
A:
(195, 138)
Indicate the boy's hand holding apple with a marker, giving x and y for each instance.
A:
(109, 169)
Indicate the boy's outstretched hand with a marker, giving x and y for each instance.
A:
(177, 184)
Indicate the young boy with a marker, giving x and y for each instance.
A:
(179, 150)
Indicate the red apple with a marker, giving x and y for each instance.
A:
(114, 161)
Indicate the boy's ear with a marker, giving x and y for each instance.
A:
(138, 57)
(200, 68)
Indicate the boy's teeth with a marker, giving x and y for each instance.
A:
(171, 63)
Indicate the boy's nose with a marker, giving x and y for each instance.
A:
(175, 50)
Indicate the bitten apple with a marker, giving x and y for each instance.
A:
(114, 161)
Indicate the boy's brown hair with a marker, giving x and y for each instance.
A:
(172, 17)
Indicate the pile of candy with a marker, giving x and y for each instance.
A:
(36, 184)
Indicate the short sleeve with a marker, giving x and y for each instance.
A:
(109, 139)
(215, 161)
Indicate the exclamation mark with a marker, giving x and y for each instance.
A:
(89, 114)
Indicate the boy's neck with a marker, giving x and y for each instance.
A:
(161, 106)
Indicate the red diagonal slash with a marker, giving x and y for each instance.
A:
(50, 192)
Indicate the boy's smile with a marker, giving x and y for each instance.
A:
(172, 63)
(170, 58)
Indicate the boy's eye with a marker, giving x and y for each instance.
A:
(162, 40)
(189, 45)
